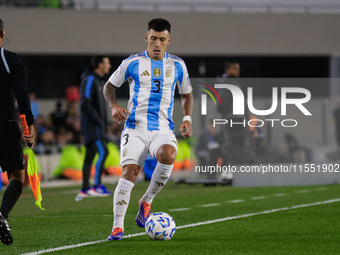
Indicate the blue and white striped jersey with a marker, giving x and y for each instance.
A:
(152, 87)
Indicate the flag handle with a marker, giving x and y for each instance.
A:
(25, 126)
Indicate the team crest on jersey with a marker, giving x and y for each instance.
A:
(168, 72)
(157, 72)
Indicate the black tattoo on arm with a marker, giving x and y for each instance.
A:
(109, 92)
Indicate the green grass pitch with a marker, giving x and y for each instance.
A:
(313, 229)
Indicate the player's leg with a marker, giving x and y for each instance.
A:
(164, 149)
(103, 152)
(133, 153)
(89, 156)
(121, 199)
(11, 160)
(12, 193)
(166, 155)
(90, 152)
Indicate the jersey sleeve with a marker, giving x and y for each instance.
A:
(183, 83)
(120, 75)
(18, 76)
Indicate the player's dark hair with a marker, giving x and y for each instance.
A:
(229, 63)
(95, 61)
(159, 25)
(2, 26)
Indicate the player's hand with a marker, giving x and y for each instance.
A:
(29, 139)
(186, 129)
(118, 113)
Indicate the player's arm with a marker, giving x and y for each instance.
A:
(117, 112)
(187, 104)
(18, 75)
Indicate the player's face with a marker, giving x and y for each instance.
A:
(157, 43)
(105, 66)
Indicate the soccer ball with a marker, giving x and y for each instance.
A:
(160, 226)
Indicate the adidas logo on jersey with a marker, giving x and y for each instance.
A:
(145, 73)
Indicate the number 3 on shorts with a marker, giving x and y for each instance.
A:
(126, 138)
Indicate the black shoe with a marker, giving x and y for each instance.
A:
(5, 232)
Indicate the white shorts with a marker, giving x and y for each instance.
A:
(135, 144)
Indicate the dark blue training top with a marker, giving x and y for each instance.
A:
(93, 108)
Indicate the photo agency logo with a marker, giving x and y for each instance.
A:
(240, 102)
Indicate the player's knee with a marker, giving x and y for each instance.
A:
(166, 154)
(130, 172)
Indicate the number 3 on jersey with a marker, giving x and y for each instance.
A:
(158, 85)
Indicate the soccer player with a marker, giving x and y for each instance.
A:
(152, 76)
(94, 126)
(13, 77)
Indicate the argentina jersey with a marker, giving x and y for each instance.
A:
(152, 87)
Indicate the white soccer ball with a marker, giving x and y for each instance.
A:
(160, 226)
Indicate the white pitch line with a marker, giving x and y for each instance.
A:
(192, 225)
(209, 205)
(322, 188)
(280, 194)
(235, 201)
(303, 191)
(63, 247)
(179, 209)
(70, 216)
(77, 245)
(258, 213)
(258, 198)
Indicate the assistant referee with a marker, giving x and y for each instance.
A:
(13, 84)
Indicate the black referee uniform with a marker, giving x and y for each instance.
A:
(13, 84)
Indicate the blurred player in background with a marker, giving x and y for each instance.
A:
(234, 141)
(94, 126)
(152, 76)
(13, 77)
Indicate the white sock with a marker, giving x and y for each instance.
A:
(159, 178)
(121, 201)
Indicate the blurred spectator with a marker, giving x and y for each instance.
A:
(231, 69)
(64, 137)
(58, 116)
(60, 129)
(73, 126)
(46, 141)
(34, 104)
(208, 149)
(72, 110)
